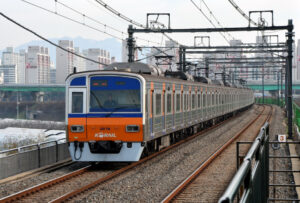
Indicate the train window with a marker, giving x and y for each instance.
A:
(204, 100)
(193, 101)
(199, 101)
(177, 102)
(77, 102)
(158, 104)
(190, 101)
(185, 102)
(169, 103)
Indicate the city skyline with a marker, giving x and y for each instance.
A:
(34, 65)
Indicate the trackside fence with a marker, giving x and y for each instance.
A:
(251, 182)
(269, 100)
(30, 157)
(296, 114)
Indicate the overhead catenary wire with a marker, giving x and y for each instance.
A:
(218, 22)
(103, 24)
(209, 20)
(128, 19)
(71, 19)
(50, 42)
(90, 18)
(242, 12)
(152, 55)
(84, 23)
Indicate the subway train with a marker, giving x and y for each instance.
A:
(129, 110)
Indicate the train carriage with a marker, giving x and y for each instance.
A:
(116, 115)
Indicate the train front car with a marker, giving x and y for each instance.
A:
(105, 116)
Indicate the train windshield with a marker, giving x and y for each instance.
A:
(115, 94)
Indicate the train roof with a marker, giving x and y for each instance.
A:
(150, 73)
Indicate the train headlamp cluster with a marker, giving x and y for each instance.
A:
(77, 128)
(132, 128)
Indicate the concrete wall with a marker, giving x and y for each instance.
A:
(25, 161)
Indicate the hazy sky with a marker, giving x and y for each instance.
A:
(183, 15)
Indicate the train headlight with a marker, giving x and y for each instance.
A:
(77, 128)
(132, 128)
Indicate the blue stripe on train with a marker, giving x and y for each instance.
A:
(105, 115)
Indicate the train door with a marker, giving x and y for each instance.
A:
(77, 113)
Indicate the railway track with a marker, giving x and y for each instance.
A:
(189, 189)
(72, 181)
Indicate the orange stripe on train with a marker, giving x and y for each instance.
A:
(106, 129)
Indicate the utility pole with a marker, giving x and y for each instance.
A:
(183, 60)
(281, 92)
(278, 90)
(206, 67)
(290, 82)
(130, 44)
(263, 85)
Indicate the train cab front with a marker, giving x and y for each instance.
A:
(105, 119)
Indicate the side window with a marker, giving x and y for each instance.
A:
(158, 104)
(193, 101)
(177, 102)
(169, 103)
(199, 101)
(77, 102)
(186, 102)
(204, 100)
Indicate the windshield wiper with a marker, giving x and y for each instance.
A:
(118, 108)
(98, 101)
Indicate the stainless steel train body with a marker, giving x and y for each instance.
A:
(150, 112)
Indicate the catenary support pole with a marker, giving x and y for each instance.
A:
(130, 45)
(290, 82)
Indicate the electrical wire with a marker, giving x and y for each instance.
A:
(71, 19)
(50, 42)
(119, 14)
(90, 18)
(103, 24)
(128, 19)
(209, 20)
(242, 12)
(150, 56)
(218, 22)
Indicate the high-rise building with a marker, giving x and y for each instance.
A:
(52, 74)
(38, 65)
(9, 57)
(124, 51)
(79, 62)
(18, 60)
(1, 77)
(96, 54)
(64, 60)
(22, 66)
(8, 74)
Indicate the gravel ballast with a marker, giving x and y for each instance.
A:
(156, 178)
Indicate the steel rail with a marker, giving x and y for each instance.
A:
(179, 189)
(74, 193)
(48, 184)
(36, 188)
